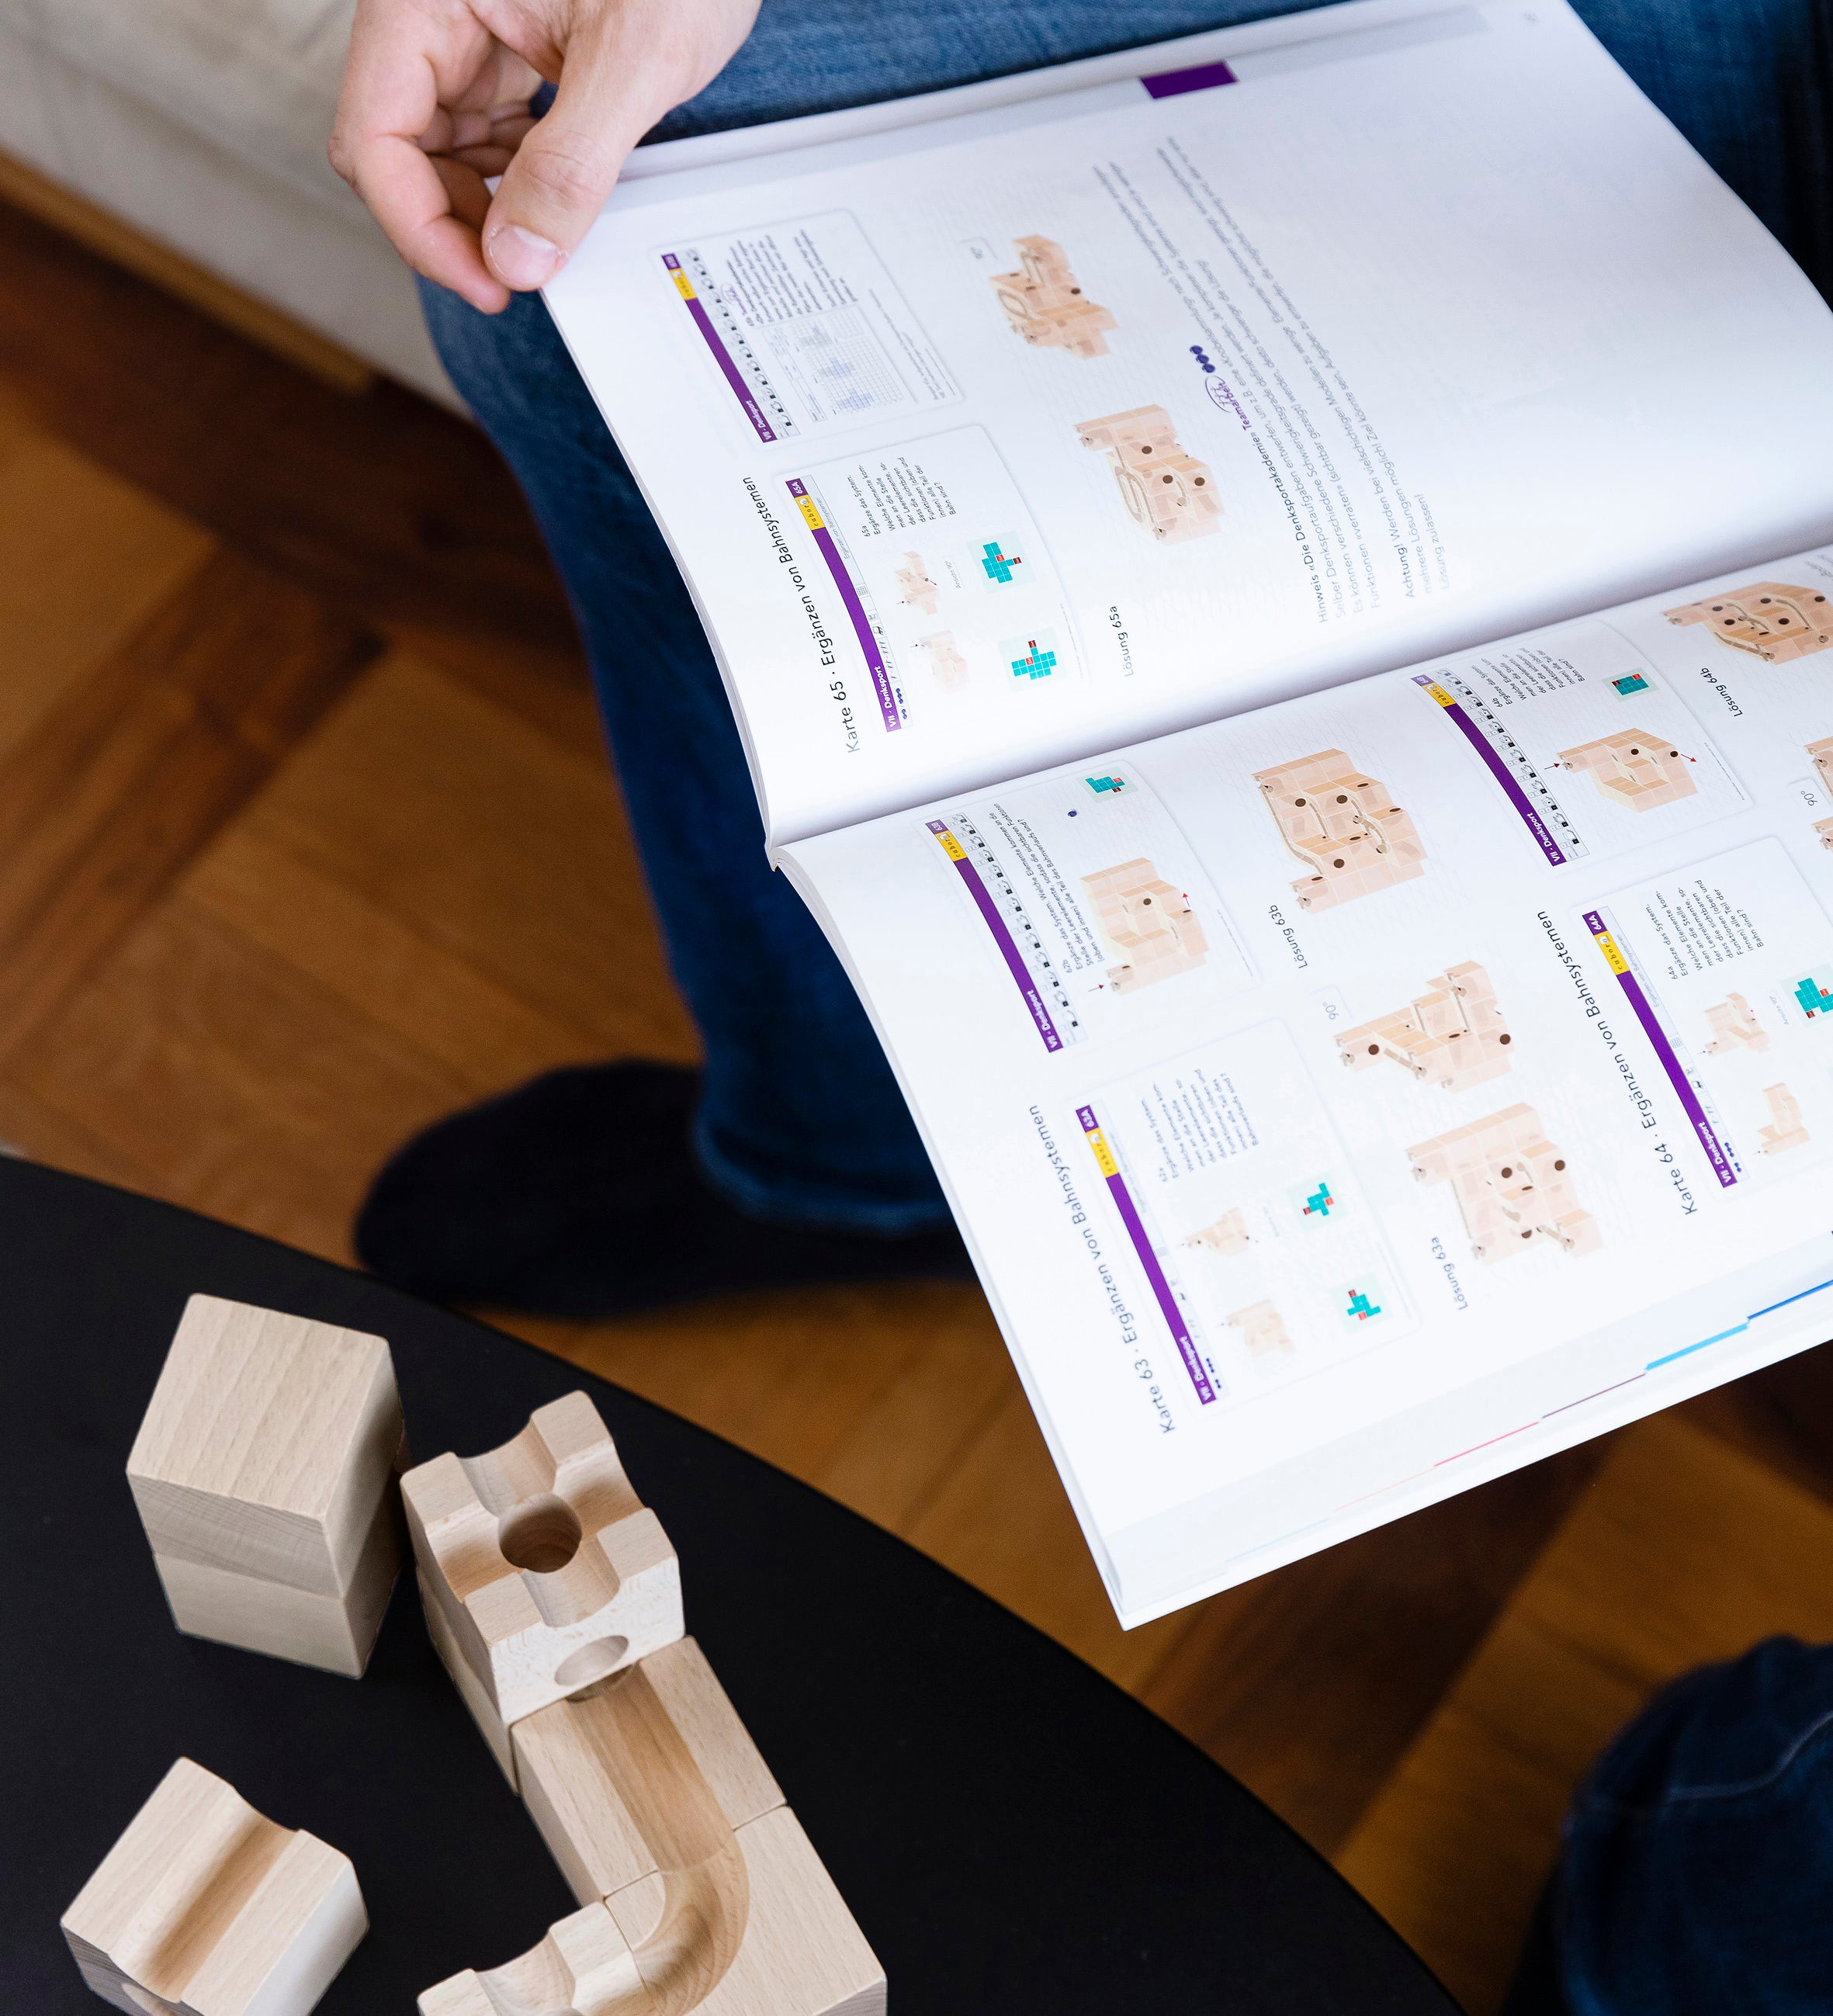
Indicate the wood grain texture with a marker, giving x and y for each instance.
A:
(118, 242)
(1361, 1640)
(213, 1909)
(1683, 1551)
(115, 789)
(383, 504)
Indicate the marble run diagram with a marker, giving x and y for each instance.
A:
(949, 668)
(1813, 996)
(1147, 923)
(1636, 770)
(1453, 1034)
(1264, 1330)
(1734, 1027)
(1045, 305)
(1772, 620)
(915, 589)
(1166, 492)
(1820, 754)
(1032, 660)
(1785, 1131)
(1511, 1184)
(1228, 1235)
(1343, 825)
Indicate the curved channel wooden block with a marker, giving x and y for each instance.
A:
(665, 1820)
(545, 1572)
(205, 1908)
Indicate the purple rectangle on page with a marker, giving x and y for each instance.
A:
(1722, 1166)
(1008, 945)
(1142, 1245)
(1201, 76)
(734, 377)
(862, 623)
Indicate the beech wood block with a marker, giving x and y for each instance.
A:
(546, 1571)
(263, 1473)
(205, 1908)
(654, 1799)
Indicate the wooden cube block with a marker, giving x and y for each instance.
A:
(264, 1473)
(654, 1799)
(205, 1908)
(546, 1572)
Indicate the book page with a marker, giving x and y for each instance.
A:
(1355, 1099)
(989, 441)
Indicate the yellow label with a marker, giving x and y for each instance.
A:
(1105, 1160)
(952, 847)
(1607, 944)
(684, 284)
(1440, 695)
(812, 516)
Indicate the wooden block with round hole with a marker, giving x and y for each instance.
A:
(204, 1907)
(547, 1573)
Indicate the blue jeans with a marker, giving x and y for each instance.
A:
(1697, 1875)
(800, 1117)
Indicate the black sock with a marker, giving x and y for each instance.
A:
(577, 1194)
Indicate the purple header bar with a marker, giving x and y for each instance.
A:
(1142, 1245)
(1531, 818)
(862, 623)
(1202, 77)
(734, 377)
(1015, 965)
(1708, 1139)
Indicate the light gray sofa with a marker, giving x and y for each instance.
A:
(202, 123)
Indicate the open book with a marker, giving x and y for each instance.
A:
(1262, 581)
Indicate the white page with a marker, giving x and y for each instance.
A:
(1600, 854)
(1429, 306)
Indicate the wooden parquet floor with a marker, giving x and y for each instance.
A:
(307, 836)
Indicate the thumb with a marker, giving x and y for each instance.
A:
(557, 183)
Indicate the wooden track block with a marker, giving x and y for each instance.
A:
(649, 1770)
(650, 1794)
(263, 1473)
(548, 1572)
(205, 1908)
(583, 1967)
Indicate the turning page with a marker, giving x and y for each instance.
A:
(1351, 1100)
(989, 438)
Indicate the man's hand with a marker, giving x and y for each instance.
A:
(436, 98)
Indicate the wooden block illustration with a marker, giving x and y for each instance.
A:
(1148, 924)
(1046, 306)
(1734, 1027)
(1785, 1131)
(1772, 620)
(1633, 769)
(546, 1572)
(664, 1817)
(1511, 1184)
(1453, 1034)
(915, 589)
(205, 1908)
(945, 661)
(1228, 1234)
(1265, 1331)
(1343, 825)
(1166, 492)
(264, 1475)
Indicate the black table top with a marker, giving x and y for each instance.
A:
(1012, 1831)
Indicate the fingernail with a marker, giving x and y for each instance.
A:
(521, 258)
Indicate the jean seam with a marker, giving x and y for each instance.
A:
(1742, 1788)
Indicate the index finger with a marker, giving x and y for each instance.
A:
(391, 95)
